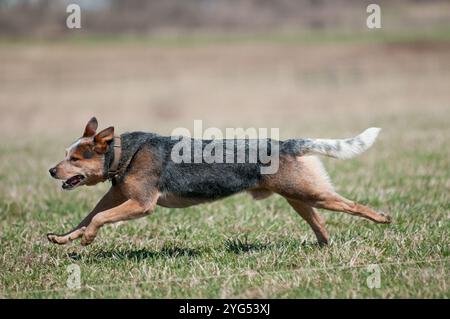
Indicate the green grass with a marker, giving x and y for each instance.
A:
(237, 247)
(293, 37)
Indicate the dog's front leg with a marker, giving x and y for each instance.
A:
(112, 198)
(130, 209)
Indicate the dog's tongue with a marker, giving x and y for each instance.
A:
(73, 181)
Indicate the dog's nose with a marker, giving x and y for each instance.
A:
(52, 171)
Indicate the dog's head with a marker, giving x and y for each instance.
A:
(84, 160)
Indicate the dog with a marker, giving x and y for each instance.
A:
(143, 175)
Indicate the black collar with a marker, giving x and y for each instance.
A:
(113, 169)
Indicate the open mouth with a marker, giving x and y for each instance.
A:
(72, 182)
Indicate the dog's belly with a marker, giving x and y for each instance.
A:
(173, 201)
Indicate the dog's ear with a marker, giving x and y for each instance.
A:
(91, 128)
(102, 139)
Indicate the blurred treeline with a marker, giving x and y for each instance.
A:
(46, 18)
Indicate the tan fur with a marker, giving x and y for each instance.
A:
(300, 178)
(303, 181)
(312, 217)
(260, 193)
(112, 198)
(130, 209)
(92, 167)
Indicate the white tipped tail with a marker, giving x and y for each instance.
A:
(342, 148)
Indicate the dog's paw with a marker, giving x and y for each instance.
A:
(64, 239)
(88, 237)
(86, 240)
(56, 239)
(387, 219)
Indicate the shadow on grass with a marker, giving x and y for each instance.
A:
(239, 246)
(139, 254)
(232, 245)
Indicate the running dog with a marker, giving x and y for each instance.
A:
(143, 175)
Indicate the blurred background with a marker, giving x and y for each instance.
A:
(308, 67)
(311, 68)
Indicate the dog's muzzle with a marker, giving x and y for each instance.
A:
(52, 171)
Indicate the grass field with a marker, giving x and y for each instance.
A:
(236, 247)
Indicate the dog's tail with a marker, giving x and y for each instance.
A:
(338, 148)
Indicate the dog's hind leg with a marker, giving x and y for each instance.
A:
(112, 198)
(305, 180)
(312, 217)
(335, 202)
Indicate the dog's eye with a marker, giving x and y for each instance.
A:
(74, 159)
(88, 154)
